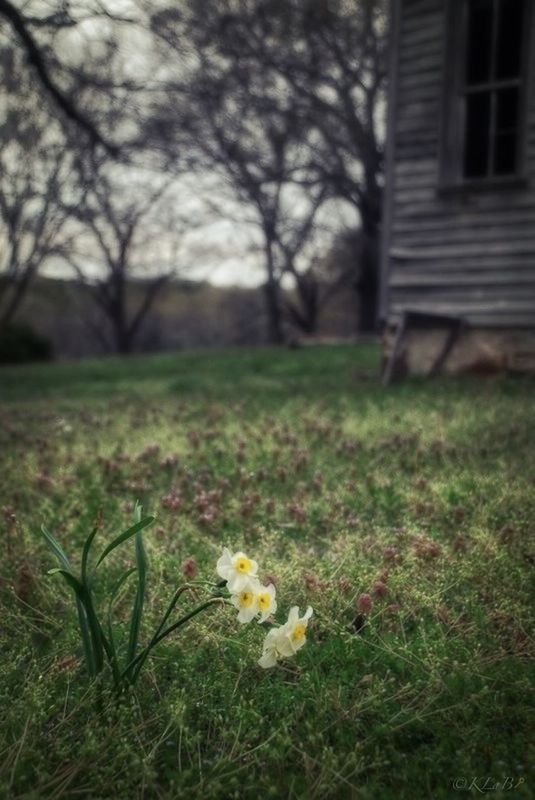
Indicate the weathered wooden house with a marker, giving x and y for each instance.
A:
(458, 250)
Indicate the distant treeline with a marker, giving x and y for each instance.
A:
(187, 314)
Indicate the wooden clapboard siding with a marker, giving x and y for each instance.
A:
(467, 251)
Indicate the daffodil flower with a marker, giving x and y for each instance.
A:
(253, 600)
(246, 602)
(295, 630)
(266, 603)
(285, 641)
(239, 571)
(272, 651)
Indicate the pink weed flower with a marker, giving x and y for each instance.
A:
(189, 567)
(364, 604)
(379, 589)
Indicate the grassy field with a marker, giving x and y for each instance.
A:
(420, 496)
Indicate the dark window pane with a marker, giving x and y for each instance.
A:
(506, 137)
(507, 110)
(479, 41)
(477, 134)
(505, 153)
(510, 39)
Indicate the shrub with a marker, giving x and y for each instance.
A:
(20, 344)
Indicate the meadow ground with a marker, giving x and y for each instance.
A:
(420, 496)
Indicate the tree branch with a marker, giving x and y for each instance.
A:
(35, 58)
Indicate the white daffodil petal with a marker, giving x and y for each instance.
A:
(237, 569)
(224, 564)
(267, 604)
(239, 583)
(246, 615)
(293, 615)
(268, 660)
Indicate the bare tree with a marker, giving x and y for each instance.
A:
(333, 54)
(241, 122)
(126, 248)
(281, 93)
(52, 42)
(35, 180)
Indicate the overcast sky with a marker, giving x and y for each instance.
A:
(219, 244)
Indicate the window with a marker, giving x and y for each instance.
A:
(486, 89)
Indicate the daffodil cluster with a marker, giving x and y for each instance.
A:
(253, 600)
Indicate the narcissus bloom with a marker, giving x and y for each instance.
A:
(295, 629)
(285, 641)
(266, 602)
(238, 570)
(272, 650)
(246, 602)
(254, 599)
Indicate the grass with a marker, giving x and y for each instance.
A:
(420, 495)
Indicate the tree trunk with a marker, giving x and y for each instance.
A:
(272, 296)
(122, 339)
(368, 280)
(367, 284)
(306, 314)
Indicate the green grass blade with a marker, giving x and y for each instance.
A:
(55, 547)
(124, 577)
(86, 637)
(137, 611)
(85, 553)
(113, 649)
(83, 617)
(138, 526)
(159, 629)
(83, 594)
(94, 628)
(140, 658)
(73, 582)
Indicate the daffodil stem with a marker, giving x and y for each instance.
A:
(140, 658)
(174, 600)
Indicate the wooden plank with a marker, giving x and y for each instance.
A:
(417, 81)
(467, 294)
(444, 222)
(425, 181)
(472, 264)
(416, 138)
(428, 30)
(429, 48)
(408, 149)
(466, 308)
(417, 113)
(514, 321)
(408, 207)
(455, 251)
(415, 167)
(426, 202)
(414, 125)
(413, 9)
(500, 277)
(458, 235)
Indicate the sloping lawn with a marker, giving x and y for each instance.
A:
(420, 496)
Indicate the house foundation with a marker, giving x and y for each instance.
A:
(476, 351)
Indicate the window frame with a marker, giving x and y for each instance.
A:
(451, 172)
